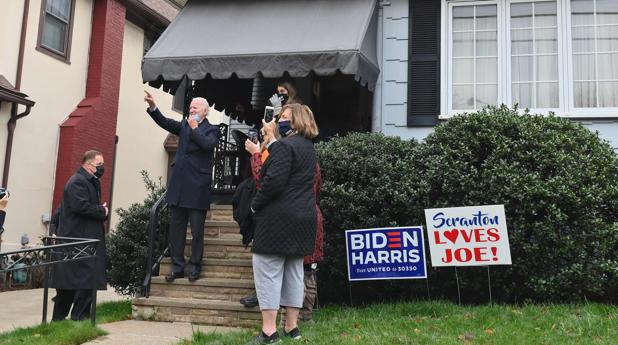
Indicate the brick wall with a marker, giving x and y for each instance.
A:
(92, 125)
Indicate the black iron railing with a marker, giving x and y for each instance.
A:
(157, 242)
(55, 251)
(226, 169)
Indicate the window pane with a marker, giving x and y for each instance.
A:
(584, 67)
(521, 42)
(607, 11)
(59, 8)
(545, 14)
(547, 68)
(463, 44)
(463, 71)
(486, 95)
(582, 12)
(607, 39)
(521, 68)
(546, 41)
(583, 39)
(608, 63)
(522, 95)
(463, 18)
(486, 44)
(487, 70)
(463, 97)
(547, 95)
(486, 17)
(521, 15)
(585, 94)
(608, 94)
(54, 33)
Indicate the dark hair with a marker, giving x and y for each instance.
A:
(89, 155)
(292, 93)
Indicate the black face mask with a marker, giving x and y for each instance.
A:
(100, 171)
(284, 98)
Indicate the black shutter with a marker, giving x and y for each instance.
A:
(424, 63)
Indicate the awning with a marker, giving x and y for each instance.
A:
(271, 37)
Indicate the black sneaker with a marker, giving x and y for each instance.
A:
(170, 277)
(250, 301)
(262, 338)
(294, 334)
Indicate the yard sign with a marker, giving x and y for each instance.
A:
(468, 236)
(386, 253)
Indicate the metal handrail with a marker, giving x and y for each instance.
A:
(78, 249)
(153, 226)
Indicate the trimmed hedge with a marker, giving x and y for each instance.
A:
(557, 180)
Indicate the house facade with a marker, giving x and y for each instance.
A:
(439, 58)
(78, 61)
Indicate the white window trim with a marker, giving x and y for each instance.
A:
(566, 99)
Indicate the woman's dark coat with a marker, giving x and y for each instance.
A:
(81, 216)
(285, 213)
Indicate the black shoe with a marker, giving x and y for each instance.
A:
(250, 301)
(193, 276)
(171, 276)
(262, 338)
(294, 334)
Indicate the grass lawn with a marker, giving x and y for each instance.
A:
(68, 332)
(446, 323)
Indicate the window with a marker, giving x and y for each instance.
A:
(55, 28)
(545, 55)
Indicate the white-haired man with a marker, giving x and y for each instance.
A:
(188, 190)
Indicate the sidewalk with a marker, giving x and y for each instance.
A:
(24, 308)
(133, 332)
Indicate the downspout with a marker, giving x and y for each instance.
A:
(12, 123)
(377, 116)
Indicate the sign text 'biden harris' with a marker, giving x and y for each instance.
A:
(386, 253)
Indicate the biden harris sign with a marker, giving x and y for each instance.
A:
(386, 253)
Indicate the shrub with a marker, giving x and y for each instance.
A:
(127, 245)
(557, 180)
(559, 185)
(369, 181)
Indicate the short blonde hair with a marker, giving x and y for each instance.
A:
(302, 120)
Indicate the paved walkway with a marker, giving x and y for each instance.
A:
(24, 308)
(133, 332)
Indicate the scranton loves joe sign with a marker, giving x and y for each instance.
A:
(468, 236)
(386, 253)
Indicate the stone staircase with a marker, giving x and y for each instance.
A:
(227, 275)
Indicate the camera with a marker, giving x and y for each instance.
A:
(253, 135)
(3, 192)
(271, 112)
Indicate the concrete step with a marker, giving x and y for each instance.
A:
(215, 248)
(217, 268)
(211, 289)
(195, 311)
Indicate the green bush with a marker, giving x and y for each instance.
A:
(368, 182)
(127, 245)
(559, 185)
(557, 180)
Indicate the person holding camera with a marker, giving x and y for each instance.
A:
(287, 92)
(285, 222)
(189, 189)
(310, 262)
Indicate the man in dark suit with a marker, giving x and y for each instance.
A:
(81, 216)
(188, 192)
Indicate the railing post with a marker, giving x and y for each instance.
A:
(46, 285)
(93, 306)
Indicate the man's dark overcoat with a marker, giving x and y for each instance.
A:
(81, 216)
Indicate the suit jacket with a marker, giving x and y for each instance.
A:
(81, 216)
(285, 213)
(191, 178)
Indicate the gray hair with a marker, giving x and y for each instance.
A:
(204, 103)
